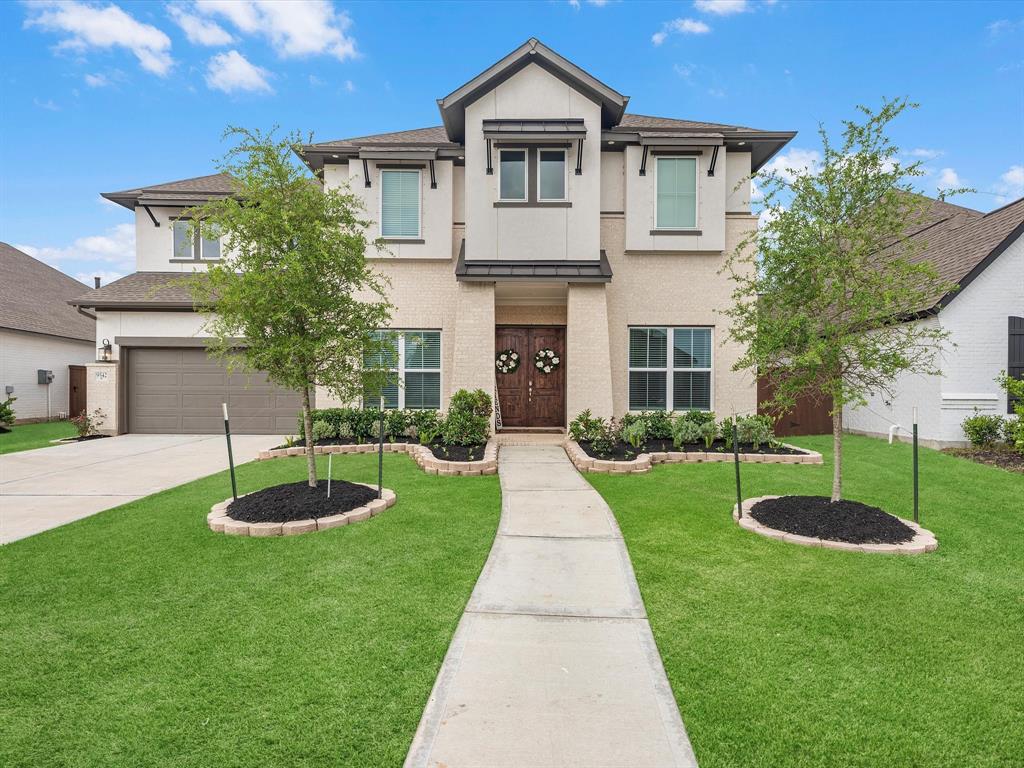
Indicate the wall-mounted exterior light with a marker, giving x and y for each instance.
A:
(105, 352)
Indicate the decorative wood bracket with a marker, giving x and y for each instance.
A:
(714, 159)
(579, 157)
(366, 174)
(151, 216)
(490, 165)
(643, 162)
(433, 178)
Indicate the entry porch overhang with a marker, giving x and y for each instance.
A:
(539, 270)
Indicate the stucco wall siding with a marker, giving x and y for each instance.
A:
(22, 354)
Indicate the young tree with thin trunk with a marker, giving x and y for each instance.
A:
(826, 290)
(294, 282)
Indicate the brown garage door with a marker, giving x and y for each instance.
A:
(181, 391)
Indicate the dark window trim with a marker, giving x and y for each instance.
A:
(676, 152)
(532, 169)
(537, 204)
(396, 240)
(400, 166)
(676, 232)
(197, 246)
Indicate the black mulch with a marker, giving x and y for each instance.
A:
(623, 451)
(350, 441)
(297, 501)
(820, 518)
(4, 430)
(996, 456)
(457, 452)
(83, 439)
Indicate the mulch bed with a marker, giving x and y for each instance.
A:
(820, 518)
(297, 501)
(623, 451)
(4, 430)
(996, 456)
(83, 439)
(457, 452)
(350, 441)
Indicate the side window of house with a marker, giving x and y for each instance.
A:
(676, 206)
(415, 359)
(512, 174)
(188, 245)
(674, 378)
(400, 203)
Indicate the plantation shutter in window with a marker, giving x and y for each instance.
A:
(691, 359)
(1015, 356)
(400, 203)
(422, 369)
(677, 193)
(648, 348)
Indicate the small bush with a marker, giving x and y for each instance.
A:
(584, 426)
(1014, 388)
(7, 412)
(685, 431)
(476, 402)
(396, 423)
(635, 433)
(659, 425)
(324, 430)
(604, 438)
(755, 429)
(469, 418)
(88, 424)
(983, 429)
(709, 431)
(1013, 432)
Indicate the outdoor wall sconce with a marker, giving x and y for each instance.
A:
(105, 352)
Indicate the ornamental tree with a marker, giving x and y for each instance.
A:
(294, 282)
(826, 291)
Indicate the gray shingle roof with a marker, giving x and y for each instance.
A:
(184, 191)
(144, 289)
(34, 297)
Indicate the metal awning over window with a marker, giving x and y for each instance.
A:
(535, 130)
(550, 271)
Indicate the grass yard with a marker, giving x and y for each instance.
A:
(139, 637)
(781, 655)
(25, 437)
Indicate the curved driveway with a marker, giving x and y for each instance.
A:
(49, 487)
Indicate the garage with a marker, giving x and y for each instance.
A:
(180, 390)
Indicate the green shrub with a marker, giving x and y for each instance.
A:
(1015, 389)
(7, 412)
(476, 402)
(324, 430)
(605, 437)
(685, 430)
(709, 431)
(468, 419)
(584, 426)
(635, 433)
(755, 429)
(396, 423)
(983, 429)
(659, 425)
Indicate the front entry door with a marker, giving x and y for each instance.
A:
(529, 397)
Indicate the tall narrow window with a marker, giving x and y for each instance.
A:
(551, 174)
(677, 193)
(415, 361)
(512, 169)
(388, 359)
(658, 382)
(210, 247)
(400, 203)
(691, 369)
(647, 369)
(183, 245)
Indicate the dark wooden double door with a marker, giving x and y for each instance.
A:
(529, 397)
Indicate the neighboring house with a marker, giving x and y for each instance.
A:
(984, 255)
(539, 216)
(40, 332)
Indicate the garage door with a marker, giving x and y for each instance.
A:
(181, 391)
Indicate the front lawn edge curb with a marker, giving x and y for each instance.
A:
(220, 522)
(923, 541)
(644, 461)
(421, 454)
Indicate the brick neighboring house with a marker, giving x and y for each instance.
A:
(540, 215)
(40, 332)
(984, 255)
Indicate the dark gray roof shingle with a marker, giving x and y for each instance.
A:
(184, 191)
(34, 297)
(152, 289)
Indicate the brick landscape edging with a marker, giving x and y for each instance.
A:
(422, 455)
(644, 461)
(220, 522)
(923, 541)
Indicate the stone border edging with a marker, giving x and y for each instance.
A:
(923, 541)
(422, 455)
(644, 461)
(220, 522)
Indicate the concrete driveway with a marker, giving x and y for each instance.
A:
(49, 487)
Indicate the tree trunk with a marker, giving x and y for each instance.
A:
(837, 453)
(307, 423)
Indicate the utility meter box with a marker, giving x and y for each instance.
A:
(45, 377)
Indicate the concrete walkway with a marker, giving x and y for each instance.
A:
(49, 487)
(553, 663)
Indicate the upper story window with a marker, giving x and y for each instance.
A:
(400, 203)
(677, 193)
(189, 245)
(512, 174)
(551, 174)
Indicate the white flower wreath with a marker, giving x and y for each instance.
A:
(507, 361)
(546, 360)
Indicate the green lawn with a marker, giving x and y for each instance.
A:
(138, 637)
(25, 437)
(781, 655)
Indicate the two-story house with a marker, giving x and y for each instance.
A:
(540, 217)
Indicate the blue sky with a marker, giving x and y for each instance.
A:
(101, 96)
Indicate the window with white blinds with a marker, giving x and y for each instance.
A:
(677, 193)
(416, 362)
(400, 203)
(673, 378)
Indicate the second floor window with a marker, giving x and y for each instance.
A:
(512, 170)
(677, 193)
(551, 174)
(400, 203)
(189, 245)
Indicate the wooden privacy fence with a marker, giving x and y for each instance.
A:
(809, 417)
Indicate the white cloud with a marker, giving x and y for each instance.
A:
(1011, 183)
(925, 154)
(721, 7)
(199, 31)
(717, 93)
(685, 71)
(1004, 26)
(296, 28)
(788, 164)
(48, 105)
(231, 72)
(681, 27)
(110, 254)
(350, 86)
(949, 179)
(88, 26)
(96, 80)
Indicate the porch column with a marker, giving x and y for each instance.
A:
(103, 392)
(473, 340)
(588, 364)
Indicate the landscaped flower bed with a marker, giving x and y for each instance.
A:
(288, 510)
(814, 521)
(424, 456)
